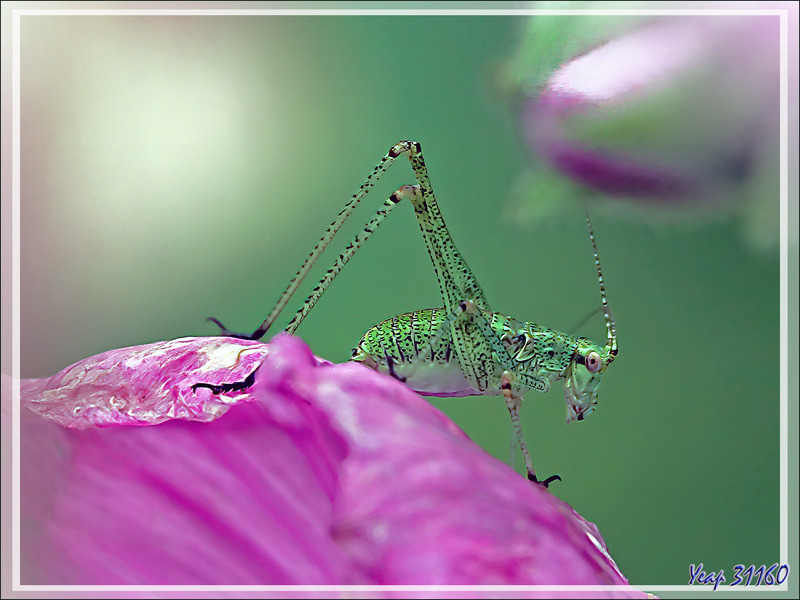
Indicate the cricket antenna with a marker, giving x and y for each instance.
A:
(609, 316)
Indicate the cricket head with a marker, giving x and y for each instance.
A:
(583, 376)
(589, 360)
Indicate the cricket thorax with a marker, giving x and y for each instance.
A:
(538, 349)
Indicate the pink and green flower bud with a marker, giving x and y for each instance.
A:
(675, 114)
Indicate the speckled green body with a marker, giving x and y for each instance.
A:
(412, 348)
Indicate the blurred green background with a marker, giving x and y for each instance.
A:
(180, 167)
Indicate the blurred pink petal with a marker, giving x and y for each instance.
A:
(314, 474)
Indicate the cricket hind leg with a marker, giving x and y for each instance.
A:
(224, 331)
(456, 280)
(326, 238)
(473, 344)
(342, 260)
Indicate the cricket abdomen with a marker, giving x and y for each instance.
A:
(407, 348)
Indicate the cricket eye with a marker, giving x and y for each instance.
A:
(593, 362)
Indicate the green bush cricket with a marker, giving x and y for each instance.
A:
(463, 348)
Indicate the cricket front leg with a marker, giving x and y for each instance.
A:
(513, 401)
(486, 352)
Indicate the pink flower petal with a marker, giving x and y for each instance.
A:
(315, 473)
(145, 385)
(243, 501)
